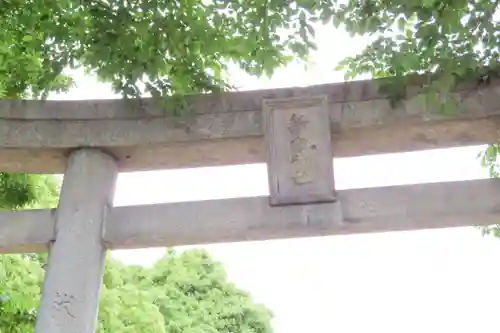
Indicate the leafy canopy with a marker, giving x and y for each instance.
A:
(185, 46)
(455, 40)
(452, 38)
(19, 190)
(147, 46)
(182, 293)
(141, 47)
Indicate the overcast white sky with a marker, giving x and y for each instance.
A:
(428, 281)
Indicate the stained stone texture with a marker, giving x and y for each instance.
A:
(300, 160)
(26, 231)
(76, 258)
(222, 129)
(381, 209)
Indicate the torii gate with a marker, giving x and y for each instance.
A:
(295, 130)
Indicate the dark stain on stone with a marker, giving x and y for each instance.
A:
(495, 209)
(289, 93)
(465, 138)
(335, 127)
(421, 137)
(254, 152)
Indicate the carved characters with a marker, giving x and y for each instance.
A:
(299, 150)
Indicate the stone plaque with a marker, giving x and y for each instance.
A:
(300, 160)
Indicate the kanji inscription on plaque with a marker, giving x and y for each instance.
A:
(300, 160)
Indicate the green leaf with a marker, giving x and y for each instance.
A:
(448, 41)
(401, 23)
(182, 292)
(428, 3)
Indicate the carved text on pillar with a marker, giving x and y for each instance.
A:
(73, 279)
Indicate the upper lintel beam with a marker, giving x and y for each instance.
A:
(223, 129)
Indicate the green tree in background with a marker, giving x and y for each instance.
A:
(148, 46)
(21, 275)
(20, 281)
(189, 292)
(25, 190)
(164, 48)
(184, 292)
(450, 40)
(455, 39)
(160, 48)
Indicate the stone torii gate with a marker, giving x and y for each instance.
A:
(295, 130)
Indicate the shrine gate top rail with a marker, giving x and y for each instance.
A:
(227, 128)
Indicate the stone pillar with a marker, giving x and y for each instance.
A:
(73, 280)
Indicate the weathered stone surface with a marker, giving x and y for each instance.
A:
(228, 128)
(382, 209)
(300, 168)
(73, 279)
(26, 231)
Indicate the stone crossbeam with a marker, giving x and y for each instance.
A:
(223, 129)
(381, 209)
(26, 230)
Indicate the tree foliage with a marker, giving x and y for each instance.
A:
(20, 190)
(452, 38)
(449, 41)
(163, 48)
(489, 159)
(159, 48)
(21, 279)
(147, 46)
(184, 292)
